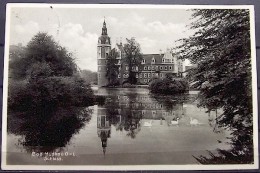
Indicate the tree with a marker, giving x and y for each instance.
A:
(112, 68)
(132, 58)
(42, 49)
(89, 76)
(221, 49)
(46, 78)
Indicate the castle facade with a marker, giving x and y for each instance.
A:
(153, 65)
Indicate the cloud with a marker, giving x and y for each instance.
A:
(82, 44)
(152, 35)
(81, 38)
(23, 33)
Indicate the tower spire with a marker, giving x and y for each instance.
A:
(104, 28)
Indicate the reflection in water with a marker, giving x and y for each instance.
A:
(130, 111)
(103, 128)
(128, 128)
(41, 133)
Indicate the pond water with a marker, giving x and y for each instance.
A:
(132, 127)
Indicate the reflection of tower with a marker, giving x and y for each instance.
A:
(103, 128)
(103, 49)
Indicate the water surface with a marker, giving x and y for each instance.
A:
(132, 127)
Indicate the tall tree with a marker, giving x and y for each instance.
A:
(132, 58)
(42, 49)
(112, 68)
(221, 49)
(46, 77)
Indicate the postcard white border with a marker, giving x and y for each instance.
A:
(131, 167)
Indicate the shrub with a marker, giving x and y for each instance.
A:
(168, 86)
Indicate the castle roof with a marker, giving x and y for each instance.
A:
(149, 57)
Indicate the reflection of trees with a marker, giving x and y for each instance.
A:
(169, 101)
(124, 116)
(46, 133)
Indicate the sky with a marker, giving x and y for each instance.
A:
(78, 29)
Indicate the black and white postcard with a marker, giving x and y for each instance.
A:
(129, 87)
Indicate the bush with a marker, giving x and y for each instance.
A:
(46, 93)
(168, 86)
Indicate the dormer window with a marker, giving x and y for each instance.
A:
(153, 60)
(143, 61)
(163, 60)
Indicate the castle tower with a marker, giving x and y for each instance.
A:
(103, 49)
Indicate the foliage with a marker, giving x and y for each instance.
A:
(89, 76)
(132, 58)
(168, 86)
(50, 79)
(16, 62)
(221, 49)
(43, 49)
(112, 68)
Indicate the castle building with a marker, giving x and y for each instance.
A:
(152, 65)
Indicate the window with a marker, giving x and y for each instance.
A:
(149, 75)
(156, 67)
(162, 59)
(99, 75)
(145, 75)
(119, 76)
(143, 112)
(99, 68)
(149, 67)
(136, 68)
(165, 68)
(140, 76)
(145, 67)
(161, 67)
(145, 80)
(99, 61)
(126, 68)
(152, 67)
(143, 61)
(161, 75)
(153, 60)
(136, 75)
(170, 67)
(148, 80)
(154, 112)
